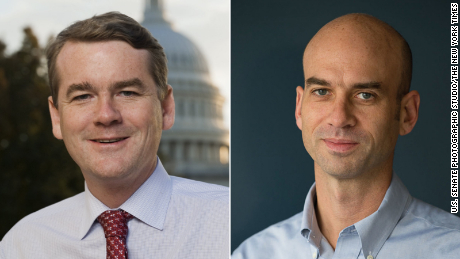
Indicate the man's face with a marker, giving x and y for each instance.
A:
(109, 115)
(348, 107)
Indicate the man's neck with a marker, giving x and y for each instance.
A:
(344, 202)
(113, 192)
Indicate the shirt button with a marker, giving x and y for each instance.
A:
(314, 255)
(370, 257)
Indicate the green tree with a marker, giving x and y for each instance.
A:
(35, 168)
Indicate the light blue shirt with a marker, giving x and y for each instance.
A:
(402, 227)
(173, 218)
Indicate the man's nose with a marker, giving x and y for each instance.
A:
(107, 112)
(341, 113)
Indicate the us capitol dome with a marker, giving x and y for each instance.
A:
(197, 145)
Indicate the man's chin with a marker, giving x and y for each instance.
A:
(343, 174)
(342, 169)
(107, 172)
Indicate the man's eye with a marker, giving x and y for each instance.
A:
(321, 92)
(127, 93)
(365, 96)
(82, 97)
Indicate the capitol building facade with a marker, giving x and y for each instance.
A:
(197, 146)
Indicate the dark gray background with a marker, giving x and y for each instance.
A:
(271, 172)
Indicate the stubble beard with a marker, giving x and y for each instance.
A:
(340, 165)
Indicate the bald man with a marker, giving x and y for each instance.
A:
(355, 103)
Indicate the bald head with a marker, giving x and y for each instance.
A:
(353, 107)
(365, 35)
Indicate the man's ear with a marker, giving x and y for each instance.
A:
(409, 112)
(298, 107)
(168, 106)
(55, 119)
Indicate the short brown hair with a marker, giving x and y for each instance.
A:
(107, 27)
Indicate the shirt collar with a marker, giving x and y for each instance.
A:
(309, 227)
(373, 230)
(376, 228)
(148, 204)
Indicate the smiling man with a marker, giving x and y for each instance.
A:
(355, 103)
(110, 102)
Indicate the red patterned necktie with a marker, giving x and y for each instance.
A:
(115, 224)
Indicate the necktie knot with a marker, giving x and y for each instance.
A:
(115, 225)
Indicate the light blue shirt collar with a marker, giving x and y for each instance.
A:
(148, 204)
(309, 227)
(375, 229)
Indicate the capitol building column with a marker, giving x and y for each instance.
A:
(165, 148)
(206, 152)
(179, 151)
(193, 151)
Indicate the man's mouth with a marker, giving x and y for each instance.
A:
(108, 140)
(340, 145)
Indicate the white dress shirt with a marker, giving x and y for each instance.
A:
(173, 218)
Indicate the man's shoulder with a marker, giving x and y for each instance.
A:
(66, 207)
(432, 217)
(424, 231)
(202, 212)
(280, 231)
(187, 189)
(50, 218)
(276, 241)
